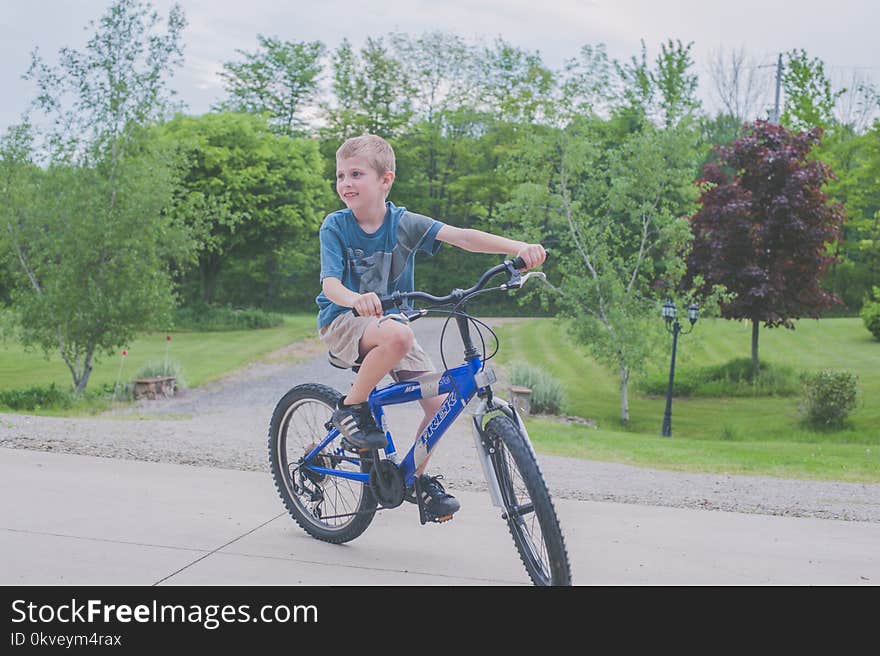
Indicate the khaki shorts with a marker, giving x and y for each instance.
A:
(343, 335)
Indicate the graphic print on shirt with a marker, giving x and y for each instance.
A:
(374, 271)
(379, 272)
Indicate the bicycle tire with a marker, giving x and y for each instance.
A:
(540, 544)
(297, 425)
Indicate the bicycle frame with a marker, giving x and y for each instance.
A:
(458, 380)
(460, 384)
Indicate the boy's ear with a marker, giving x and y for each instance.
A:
(388, 178)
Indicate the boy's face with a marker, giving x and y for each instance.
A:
(359, 185)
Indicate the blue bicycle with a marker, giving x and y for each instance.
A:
(333, 489)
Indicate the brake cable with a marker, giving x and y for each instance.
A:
(456, 313)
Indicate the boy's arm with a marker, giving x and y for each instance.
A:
(367, 305)
(477, 241)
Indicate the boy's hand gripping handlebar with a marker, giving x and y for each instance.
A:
(400, 300)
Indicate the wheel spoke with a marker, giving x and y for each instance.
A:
(521, 511)
(303, 429)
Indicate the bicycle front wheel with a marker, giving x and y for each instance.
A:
(329, 508)
(528, 508)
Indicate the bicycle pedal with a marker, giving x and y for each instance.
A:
(440, 520)
(348, 446)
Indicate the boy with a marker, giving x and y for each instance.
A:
(367, 251)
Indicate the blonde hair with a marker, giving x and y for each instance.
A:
(375, 149)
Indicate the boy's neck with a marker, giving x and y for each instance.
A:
(371, 218)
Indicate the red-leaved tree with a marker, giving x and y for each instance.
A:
(764, 226)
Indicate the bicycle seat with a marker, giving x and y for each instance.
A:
(342, 364)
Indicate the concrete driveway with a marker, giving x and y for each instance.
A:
(82, 520)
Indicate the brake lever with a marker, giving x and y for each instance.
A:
(516, 278)
(385, 318)
(407, 315)
(520, 280)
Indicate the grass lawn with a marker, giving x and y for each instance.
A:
(735, 435)
(203, 356)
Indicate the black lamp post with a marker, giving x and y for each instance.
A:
(670, 314)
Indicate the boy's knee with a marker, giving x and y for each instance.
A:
(400, 337)
(432, 404)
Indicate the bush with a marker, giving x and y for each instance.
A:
(871, 316)
(122, 392)
(828, 397)
(157, 368)
(548, 396)
(215, 318)
(52, 397)
(741, 378)
(737, 377)
(36, 397)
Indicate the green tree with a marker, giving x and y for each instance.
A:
(371, 91)
(851, 152)
(19, 194)
(809, 97)
(665, 92)
(615, 217)
(441, 70)
(450, 157)
(637, 91)
(253, 199)
(430, 157)
(588, 84)
(855, 160)
(91, 274)
(98, 97)
(514, 83)
(676, 83)
(280, 79)
(93, 246)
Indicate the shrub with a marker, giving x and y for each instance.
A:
(734, 378)
(36, 397)
(740, 377)
(122, 392)
(158, 368)
(548, 395)
(871, 316)
(215, 318)
(828, 397)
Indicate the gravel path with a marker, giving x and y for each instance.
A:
(224, 425)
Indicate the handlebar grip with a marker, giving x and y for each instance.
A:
(519, 263)
(387, 304)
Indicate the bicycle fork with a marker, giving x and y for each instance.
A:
(485, 449)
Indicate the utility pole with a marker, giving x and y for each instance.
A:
(775, 117)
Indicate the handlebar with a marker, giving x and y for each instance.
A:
(513, 267)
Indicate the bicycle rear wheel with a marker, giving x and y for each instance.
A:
(329, 508)
(528, 508)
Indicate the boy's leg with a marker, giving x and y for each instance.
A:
(382, 346)
(438, 503)
(430, 406)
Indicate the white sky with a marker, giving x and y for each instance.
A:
(844, 33)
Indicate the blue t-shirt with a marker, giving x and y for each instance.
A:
(381, 262)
